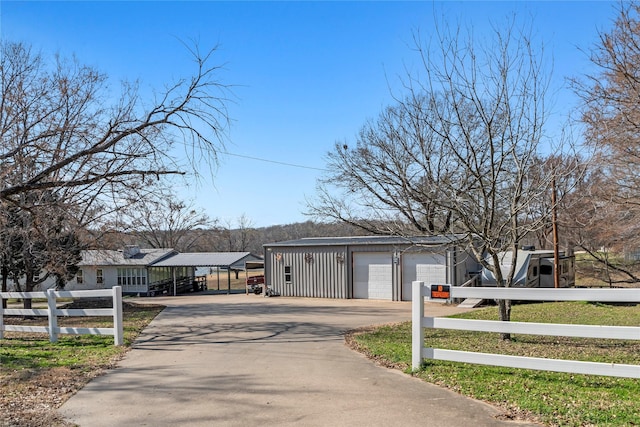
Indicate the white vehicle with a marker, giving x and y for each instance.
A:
(534, 269)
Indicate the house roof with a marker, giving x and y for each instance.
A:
(208, 259)
(370, 240)
(104, 257)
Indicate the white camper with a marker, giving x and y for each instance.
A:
(534, 269)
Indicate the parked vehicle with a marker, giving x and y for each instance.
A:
(534, 269)
(255, 284)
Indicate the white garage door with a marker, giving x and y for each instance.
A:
(429, 268)
(372, 275)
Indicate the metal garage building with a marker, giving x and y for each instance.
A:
(373, 267)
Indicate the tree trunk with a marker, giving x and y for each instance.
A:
(28, 287)
(5, 273)
(504, 307)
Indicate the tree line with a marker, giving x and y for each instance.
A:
(232, 237)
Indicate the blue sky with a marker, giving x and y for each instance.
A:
(305, 74)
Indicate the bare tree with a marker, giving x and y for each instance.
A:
(72, 151)
(166, 222)
(569, 187)
(226, 240)
(611, 113)
(238, 235)
(602, 228)
(611, 110)
(246, 232)
(60, 130)
(39, 240)
(456, 154)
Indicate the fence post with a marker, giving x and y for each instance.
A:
(53, 315)
(118, 328)
(417, 334)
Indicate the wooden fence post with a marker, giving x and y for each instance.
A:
(417, 334)
(118, 327)
(53, 315)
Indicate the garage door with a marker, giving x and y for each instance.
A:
(429, 268)
(372, 277)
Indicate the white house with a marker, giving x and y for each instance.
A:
(148, 271)
(130, 268)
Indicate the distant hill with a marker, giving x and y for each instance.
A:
(278, 233)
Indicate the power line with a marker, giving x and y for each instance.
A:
(273, 161)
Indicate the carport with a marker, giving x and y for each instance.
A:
(228, 260)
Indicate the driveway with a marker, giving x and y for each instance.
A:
(245, 360)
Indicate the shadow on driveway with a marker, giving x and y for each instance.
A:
(244, 360)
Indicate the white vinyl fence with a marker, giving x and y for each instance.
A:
(52, 312)
(522, 294)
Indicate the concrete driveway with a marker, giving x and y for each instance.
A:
(245, 360)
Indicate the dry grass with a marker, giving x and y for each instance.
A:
(221, 282)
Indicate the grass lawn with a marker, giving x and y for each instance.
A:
(37, 376)
(590, 273)
(550, 398)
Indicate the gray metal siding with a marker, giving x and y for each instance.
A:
(315, 272)
(327, 271)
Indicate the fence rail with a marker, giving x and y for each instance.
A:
(419, 322)
(52, 312)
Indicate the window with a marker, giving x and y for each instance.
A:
(99, 278)
(132, 277)
(546, 270)
(159, 274)
(79, 277)
(287, 274)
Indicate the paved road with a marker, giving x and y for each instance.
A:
(245, 360)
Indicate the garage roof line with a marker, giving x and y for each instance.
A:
(370, 240)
